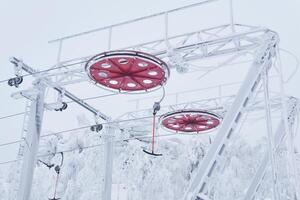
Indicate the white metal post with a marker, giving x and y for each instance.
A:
(232, 118)
(279, 137)
(198, 183)
(109, 38)
(231, 16)
(292, 169)
(108, 156)
(270, 134)
(32, 143)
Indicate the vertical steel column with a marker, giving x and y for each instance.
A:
(270, 134)
(225, 132)
(202, 175)
(231, 16)
(279, 138)
(209, 162)
(32, 143)
(292, 167)
(108, 156)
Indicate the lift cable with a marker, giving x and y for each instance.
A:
(104, 123)
(81, 62)
(297, 64)
(12, 115)
(71, 101)
(61, 67)
(78, 128)
(46, 70)
(95, 145)
(10, 143)
(102, 96)
(91, 146)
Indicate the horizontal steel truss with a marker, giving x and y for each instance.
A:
(189, 47)
(139, 120)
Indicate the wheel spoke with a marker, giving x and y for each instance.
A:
(117, 65)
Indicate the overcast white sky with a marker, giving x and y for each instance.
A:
(26, 26)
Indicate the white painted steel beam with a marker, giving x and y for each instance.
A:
(132, 21)
(34, 128)
(232, 118)
(108, 156)
(200, 48)
(31, 144)
(279, 137)
(270, 134)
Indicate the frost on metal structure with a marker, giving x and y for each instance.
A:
(262, 63)
(128, 71)
(279, 137)
(177, 51)
(141, 124)
(32, 134)
(32, 142)
(213, 105)
(248, 38)
(207, 43)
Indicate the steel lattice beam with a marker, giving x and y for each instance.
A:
(203, 44)
(232, 118)
(278, 138)
(190, 48)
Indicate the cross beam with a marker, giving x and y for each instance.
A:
(68, 94)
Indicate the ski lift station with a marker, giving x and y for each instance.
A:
(162, 106)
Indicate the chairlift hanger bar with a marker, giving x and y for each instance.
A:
(68, 94)
(131, 21)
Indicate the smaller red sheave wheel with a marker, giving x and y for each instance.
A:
(190, 121)
(129, 71)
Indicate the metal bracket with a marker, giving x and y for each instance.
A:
(68, 94)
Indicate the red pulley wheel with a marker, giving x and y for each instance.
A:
(129, 71)
(190, 121)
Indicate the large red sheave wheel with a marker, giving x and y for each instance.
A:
(128, 71)
(190, 121)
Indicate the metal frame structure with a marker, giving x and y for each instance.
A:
(34, 128)
(192, 46)
(232, 39)
(32, 142)
(263, 62)
(279, 137)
